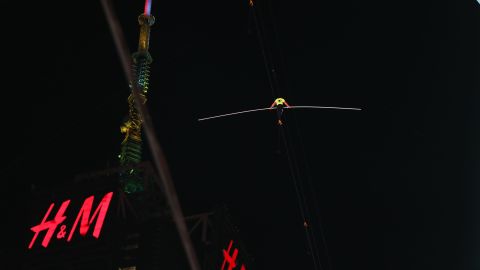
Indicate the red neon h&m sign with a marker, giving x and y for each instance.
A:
(84, 218)
(231, 260)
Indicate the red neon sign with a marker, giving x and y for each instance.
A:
(83, 217)
(231, 260)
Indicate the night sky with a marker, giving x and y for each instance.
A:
(394, 185)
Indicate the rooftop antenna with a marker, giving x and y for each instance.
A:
(165, 180)
(131, 146)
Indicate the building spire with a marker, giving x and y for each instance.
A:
(131, 146)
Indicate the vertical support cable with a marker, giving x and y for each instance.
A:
(294, 171)
(302, 204)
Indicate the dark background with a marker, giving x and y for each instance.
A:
(395, 185)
